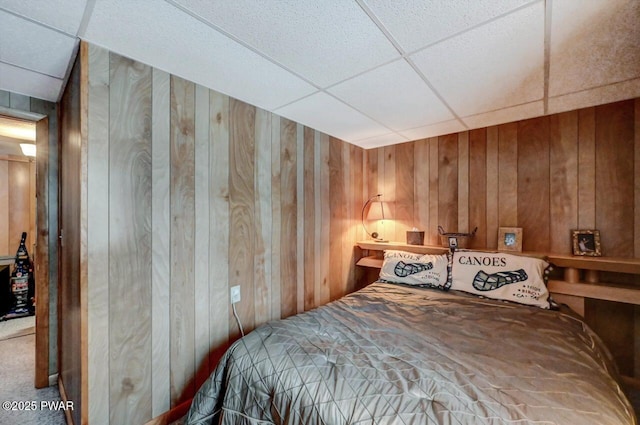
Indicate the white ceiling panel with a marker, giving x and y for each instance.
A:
(446, 127)
(501, 116)
(383, 140)
(596, 96)
(32, 46)
(418, 23)
(22, 81)
(157, 33)
(495, 66)
(64, 15)
(326, 41)
(401, 99)
(322, 111)
(593, 43)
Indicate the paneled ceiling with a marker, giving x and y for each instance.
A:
(371, 72)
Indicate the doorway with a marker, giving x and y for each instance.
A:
(24, 208)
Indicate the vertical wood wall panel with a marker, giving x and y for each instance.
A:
(478, 186)
(276, 219)
(564, 180)
(263, 231)
(98, 221)
(161, 243)
(338, 212)
(448, 182)
(201, 238)
(463, 182)
(587, 168)
(507, 175)
(434, 220)
(614, 177)
(300, 218)
(405, 182)
(389, 187)
(533, 183)
(289, 221)
(18, 201)
(182, 238)
(19, 204)
(218, 225)
(130, 241)
(324, 258)
(421, 187)
(242, 210)
(493, 187)
(310, 223)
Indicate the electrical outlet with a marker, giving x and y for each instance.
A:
(235, 294)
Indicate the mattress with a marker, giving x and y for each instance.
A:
(393, 354)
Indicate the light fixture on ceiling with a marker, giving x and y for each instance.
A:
(28, 149)
(378, 210)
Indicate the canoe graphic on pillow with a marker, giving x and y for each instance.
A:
(489, 282)
(403, 269)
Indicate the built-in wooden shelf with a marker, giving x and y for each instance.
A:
(418, 249)
(600, 291)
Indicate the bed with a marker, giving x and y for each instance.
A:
(396, 354)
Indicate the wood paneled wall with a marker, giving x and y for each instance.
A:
(548, 175)
(17, 204)
(191, 192)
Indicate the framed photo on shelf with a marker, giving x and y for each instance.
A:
(586, 242)
(510, 239)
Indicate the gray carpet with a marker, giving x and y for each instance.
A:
(17, 327)
(17, 364)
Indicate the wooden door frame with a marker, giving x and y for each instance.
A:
(41, 265)
(41, 254)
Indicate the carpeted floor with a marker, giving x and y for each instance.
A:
(17, 327)
(17, 360)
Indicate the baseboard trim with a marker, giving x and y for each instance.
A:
(53, 379)
(63, 396)
(172, 415)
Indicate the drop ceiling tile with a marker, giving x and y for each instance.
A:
(383, 140)
(329, 115)
(446, 127)
(394, 95)
(29, 45)
(158, 34)
(418, 23)
(593, 43)
(326, 41)
(29, 83)
(64, 15)
(491, 67)
(501, 116)
(596, 96)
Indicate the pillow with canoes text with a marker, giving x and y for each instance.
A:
(415, 269)
(501, 276)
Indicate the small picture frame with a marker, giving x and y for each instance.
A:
(586, 242)
(510, 239)
(453, 242)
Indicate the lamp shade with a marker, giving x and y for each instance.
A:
(379, 210)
